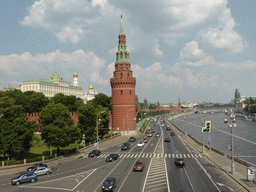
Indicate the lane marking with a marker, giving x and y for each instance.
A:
(189, 180)
(143, 189)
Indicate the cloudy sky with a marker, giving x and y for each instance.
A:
(195, 50)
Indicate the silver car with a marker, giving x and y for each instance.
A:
(42, 171)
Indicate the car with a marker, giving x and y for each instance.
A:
(150, 135)
(138, 166)
(153, 131)
(109, 184)
(157, 135)
(125, 146)
(132, 139)
(168, 127)
(140, 144)
(162, 125)
(147, 131)
(179, 162)
(24, 178)
(94, 153)
(42, 171)
(35, 166)
(167, 140)
(112, 157)
(172, 134)
(145, 140)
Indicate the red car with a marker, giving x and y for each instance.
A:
(145, 140)
(153, 131)
(139, 166)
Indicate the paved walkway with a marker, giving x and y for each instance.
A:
(222, 162)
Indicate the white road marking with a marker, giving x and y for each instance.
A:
(188, 155)
(180, 155)
(172, 155)
(143, 155)
(196, 156)
(184, 155)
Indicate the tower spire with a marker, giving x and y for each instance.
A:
(121, 26)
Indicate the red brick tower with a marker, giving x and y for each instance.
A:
(123, 88)
(179, 104)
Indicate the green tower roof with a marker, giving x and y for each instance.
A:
(121, 27)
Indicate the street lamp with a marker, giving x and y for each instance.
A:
(127, 121)
(83, 140)
(232, 123)
(97, 122)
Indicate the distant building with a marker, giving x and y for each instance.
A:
(56, 84)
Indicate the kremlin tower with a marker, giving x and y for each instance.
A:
(123, 89)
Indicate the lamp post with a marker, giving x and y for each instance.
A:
(127, 121)
(83, 140)
(97, 122)
(232, 123)
(203, 150)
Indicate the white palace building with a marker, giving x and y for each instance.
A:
(57, 84)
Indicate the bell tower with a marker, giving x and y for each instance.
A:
(123, 89)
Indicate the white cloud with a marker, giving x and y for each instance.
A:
(111, 69)
(96, 78)
(192, 56)
(28, 66)
(154, 75)
(70, 34)
(223, 36)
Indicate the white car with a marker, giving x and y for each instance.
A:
(150, 135)
(162, 125)
(141, 144)
(157, 135)
(42, 171)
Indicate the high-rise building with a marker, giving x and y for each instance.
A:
(123, 89)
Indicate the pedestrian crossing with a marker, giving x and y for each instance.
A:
(153, 155)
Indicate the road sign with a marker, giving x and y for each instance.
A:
(209, 139)
(225, 155)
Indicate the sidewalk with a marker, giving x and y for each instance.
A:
(224, 163)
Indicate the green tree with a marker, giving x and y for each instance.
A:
(102, 100)
(57, 126)
(87, 121)
(36, 102)
(20, 99)
(15, 131)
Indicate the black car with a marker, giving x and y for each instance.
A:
(94, 153)
(179, 162)
(172, 134)
(109, 184)
(24, 178)
(112, 157)
(35, 166)
(132, 139)
(125, 146)
(167, 140)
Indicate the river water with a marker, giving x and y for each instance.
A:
(244, 134)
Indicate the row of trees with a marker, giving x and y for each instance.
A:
(250, 105)
(55, 123)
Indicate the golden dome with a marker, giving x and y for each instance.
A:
(75, 75)
(91, 87)
(55, 74)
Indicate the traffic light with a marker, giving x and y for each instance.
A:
(207, 126)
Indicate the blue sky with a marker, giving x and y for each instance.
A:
(195, 50)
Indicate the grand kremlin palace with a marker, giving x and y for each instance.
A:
(57, 84)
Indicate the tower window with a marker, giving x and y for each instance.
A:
(121, 75)
(121, 92)
(128, 74)
(130, 92)
(121, 68)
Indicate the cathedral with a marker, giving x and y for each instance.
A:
(56, 84)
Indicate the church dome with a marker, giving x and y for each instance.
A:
(75, 75)
(91, 87)
(55, 74)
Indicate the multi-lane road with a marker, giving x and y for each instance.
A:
(160, 173)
